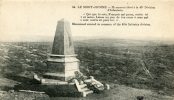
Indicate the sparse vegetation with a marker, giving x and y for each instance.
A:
(139, 64)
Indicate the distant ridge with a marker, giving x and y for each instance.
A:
(94, 39)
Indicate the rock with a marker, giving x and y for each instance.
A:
(11, 91)
(140, 97)
(107, 87)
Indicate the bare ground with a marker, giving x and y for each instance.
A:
(117, 92)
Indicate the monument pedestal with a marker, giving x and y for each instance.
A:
(62, 67)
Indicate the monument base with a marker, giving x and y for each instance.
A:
(62, 67)
(56, 87)
(52, 90)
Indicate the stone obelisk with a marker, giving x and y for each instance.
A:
(62, 62)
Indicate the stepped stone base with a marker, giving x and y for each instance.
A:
(54, 87)
(52, 90)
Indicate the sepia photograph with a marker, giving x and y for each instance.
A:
(86, 50)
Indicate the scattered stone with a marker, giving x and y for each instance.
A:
(140, 97)
(11, 91)
(107, 87)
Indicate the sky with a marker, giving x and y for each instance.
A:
(36, 20)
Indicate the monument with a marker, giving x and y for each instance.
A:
(62, 62)
(62, 76)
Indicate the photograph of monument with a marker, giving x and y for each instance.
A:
(86, 50)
